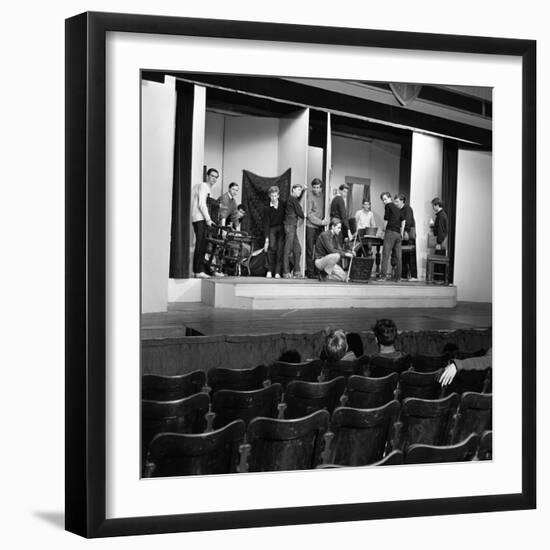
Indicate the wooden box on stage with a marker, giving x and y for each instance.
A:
(361, 269)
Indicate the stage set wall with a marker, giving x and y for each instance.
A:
(473, 249)
(375, 160)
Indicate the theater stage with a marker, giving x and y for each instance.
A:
(259, 293)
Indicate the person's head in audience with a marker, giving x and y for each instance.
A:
(343, 190)
(316, 186)
(385, 197)
(385, 332)
(273, 193)
(437, 205)
(335, 226)
(290, 356)
(234, 189)
(400, 200)
(297, 190)
(355, 344)
(336, 346)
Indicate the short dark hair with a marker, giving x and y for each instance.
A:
(233, 184)
(290, 356)
(273, 189)
(241, 207)
(355, 343)
(401, 197)
(210, 170)
(316, 181)
(437, 202)
(295, 185)
(335, 346)
(385, 194)
(344, 186)
(385, 331)
(334, 221)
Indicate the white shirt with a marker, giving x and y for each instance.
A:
(364, 219)
(199, 210)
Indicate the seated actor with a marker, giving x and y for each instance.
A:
(228, 205)
(293, 213)
(274, 234)
(328, 253)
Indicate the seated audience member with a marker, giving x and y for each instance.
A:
(335, 347)
(328, 253)
(473, 363)
(290, 356)
(355, 347)
(385, 332)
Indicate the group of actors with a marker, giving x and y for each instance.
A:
(329, 239)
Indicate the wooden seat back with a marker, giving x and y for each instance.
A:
(380, 366)
(369, 393)
(424, 385)
(342, 368)
(237, 379)
(214, 452)
(485, 451)
(475, 415)
(303, 398)
(361, 436)
(282, 373)
(169, 388)
(230, 405)
(393, 458)
(427, 421)
(460, 452)
(429, 362)
(286, 444)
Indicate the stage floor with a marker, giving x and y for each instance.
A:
(208, 320)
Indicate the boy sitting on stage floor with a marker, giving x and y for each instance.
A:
(328, 253)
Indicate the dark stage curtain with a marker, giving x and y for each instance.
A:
(180, 237)
(448, 195)
(256, 198)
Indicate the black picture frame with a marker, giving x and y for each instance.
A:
(86, 268)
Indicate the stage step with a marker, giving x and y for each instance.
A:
(264, 294)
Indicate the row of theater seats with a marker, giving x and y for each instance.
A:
(421, 430)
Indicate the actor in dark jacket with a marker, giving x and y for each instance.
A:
(441, 224)
(273, 230)
(408, 270)
(293, 213)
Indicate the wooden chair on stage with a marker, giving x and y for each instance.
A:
(282, 373)
(230, 405)
(303, 398)
(460, 452)
(169, 388)
(475, 415)
(485, 450)
(361, 436)
(275, 445)
(196, 454)
(424, 385)
(187, 415)
(380, 366)
(426, 421)
(369, 393)
(220, 378)
(429, 362)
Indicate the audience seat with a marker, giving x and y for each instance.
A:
(303, 398)
(424, 385)
(393, 458)
(237, 379)
(282, 373)
(474, 415)
(368, 393)
(168, 388)
(193, 454)
(429, 362)
(485, 451)
(275, 445)
(460, 452)
(230, 405)
(361, 436)
(342, 368)
(380, 366)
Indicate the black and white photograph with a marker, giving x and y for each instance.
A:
(316, 273)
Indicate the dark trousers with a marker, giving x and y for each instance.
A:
(391, 245)
(275, 250)
(409, 261)
(292, 244)
(311, 238)
(200, 229)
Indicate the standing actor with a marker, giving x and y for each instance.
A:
(274, 233)
(293, 213)
(201, 220)
(315, 223)
(338, 210)
(441, 225)
(409, 271)
(394, 225)
(328, 253)
(228, 206)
